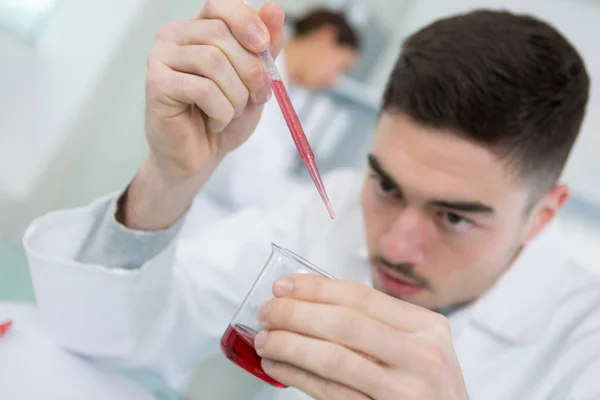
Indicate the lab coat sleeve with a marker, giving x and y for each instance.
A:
(111, 244)
(112, 315)
(168, 315)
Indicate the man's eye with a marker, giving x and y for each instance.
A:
(457, 223)
(386, 187)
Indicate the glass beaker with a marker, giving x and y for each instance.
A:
(237, 343)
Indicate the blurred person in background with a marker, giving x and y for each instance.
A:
(324, 45)
(452, 280)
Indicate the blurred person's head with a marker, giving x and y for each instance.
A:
(323, 47)
(478, 120)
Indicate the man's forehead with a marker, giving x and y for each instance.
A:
(438, 162)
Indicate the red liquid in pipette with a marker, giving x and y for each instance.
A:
(306, 153)
(237, 344)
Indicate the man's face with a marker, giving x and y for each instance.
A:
(444, 218)
(326, 61)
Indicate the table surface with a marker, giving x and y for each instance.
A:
(32, 366)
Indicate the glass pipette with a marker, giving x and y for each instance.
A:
(293, 123)
(291, 118)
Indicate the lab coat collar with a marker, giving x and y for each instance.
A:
(520, 306)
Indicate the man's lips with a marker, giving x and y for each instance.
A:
(397, 276)
(397, 283)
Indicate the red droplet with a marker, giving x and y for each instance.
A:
(5, 327)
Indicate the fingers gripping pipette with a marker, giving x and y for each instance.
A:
(293, 123)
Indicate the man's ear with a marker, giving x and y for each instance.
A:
(547, 209)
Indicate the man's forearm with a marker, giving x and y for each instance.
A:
(155, 202)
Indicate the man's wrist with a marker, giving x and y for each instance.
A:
(154, 201)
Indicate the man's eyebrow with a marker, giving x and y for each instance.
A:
(375, 166)
(459, 206)
(463, 206)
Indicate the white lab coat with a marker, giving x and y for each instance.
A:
(256, 174)
(534, 335)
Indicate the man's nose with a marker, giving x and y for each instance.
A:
(404, 240)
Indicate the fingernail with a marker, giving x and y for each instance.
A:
(238, 114)
(263, 96)
(260, 340)
(263, 311)
(267, 364)
(283, 287)
(258, 37)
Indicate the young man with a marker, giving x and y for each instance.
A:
(454, 226)
(243, 179)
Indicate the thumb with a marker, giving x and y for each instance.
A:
(273, 16)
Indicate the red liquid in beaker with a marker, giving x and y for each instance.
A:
(237, 344)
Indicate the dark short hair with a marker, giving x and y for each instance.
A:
(316, 19)
(509, 82)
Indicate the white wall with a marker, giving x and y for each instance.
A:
(18, 60)
(53, 82)
(115, 121)
(75, 129)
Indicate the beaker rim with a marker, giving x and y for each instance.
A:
(301, 260)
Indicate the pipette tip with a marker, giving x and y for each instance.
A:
(313, 170)
(330, 209)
